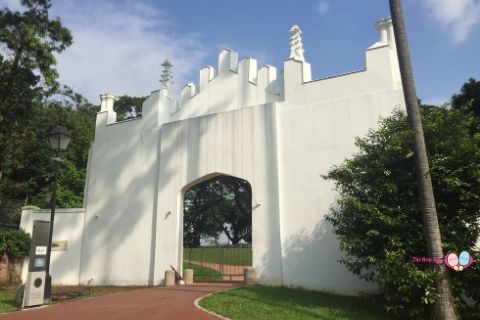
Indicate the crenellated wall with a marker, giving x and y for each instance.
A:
(237, 84)
(233, 85)
(279, 131)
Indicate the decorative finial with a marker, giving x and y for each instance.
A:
(296, 45)
(166, 77)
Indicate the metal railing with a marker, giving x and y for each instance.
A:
(218, 263)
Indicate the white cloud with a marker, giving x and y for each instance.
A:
(11, 4)
(119, 47)
(457, 17)
(321, 7)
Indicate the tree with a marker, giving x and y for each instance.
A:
(444, 304)
(237, 220)
(15, 243)
(378, 217)
(128, 107)
(27, 73)
(80, 120)
(469, 97)
(29, 169)
(218, 205)
(202, 211)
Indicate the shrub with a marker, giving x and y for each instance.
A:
(16, 243)
(378, 219)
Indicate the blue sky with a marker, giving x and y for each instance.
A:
(119, 45)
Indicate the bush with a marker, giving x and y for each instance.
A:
(378, 219)
(16, 243)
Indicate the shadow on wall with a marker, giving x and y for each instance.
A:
(109, 230)
(136, 176)
(311, 260)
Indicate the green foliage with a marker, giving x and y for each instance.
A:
(128, 107)
(405, 285)
(29, 40)
(378, 219)
(29, 171)
(218, 205)
(16, 243)
(469, 97)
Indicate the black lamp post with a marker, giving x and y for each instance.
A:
(59, 138)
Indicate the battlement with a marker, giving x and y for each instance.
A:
(236, 84)
(244, 83)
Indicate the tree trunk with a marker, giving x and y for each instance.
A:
(227, 233)
(443, 308)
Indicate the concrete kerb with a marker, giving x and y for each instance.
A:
(196, 303)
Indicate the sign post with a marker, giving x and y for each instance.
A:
(35, 285)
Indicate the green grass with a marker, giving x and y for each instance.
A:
(202, 274)
(7, 301)
(274, 303)
(238, 256)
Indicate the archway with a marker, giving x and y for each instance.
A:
(217, 228)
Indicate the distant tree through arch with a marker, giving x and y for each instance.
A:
(216, 210)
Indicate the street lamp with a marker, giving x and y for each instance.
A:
(59, 138)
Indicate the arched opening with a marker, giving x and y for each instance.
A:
(217, 228)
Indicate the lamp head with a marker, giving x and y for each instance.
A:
(59, 138)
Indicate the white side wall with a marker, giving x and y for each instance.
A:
(120, 193)
(313, 139)
(68, 226)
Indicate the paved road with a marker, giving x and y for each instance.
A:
(172, 303)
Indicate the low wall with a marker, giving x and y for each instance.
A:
(67, 234)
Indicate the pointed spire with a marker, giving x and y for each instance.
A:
(167, 76)
(296, 44)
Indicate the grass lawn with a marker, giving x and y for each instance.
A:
(202, 273)
(235, 256)
(273, 303)
(7, 300)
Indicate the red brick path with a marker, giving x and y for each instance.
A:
(172, 303)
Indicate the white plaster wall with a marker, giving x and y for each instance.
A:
(119, 204)
(313, 139)
(239, 143)
(376, 78)
(68, 225)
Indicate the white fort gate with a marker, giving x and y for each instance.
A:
(280, 132)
